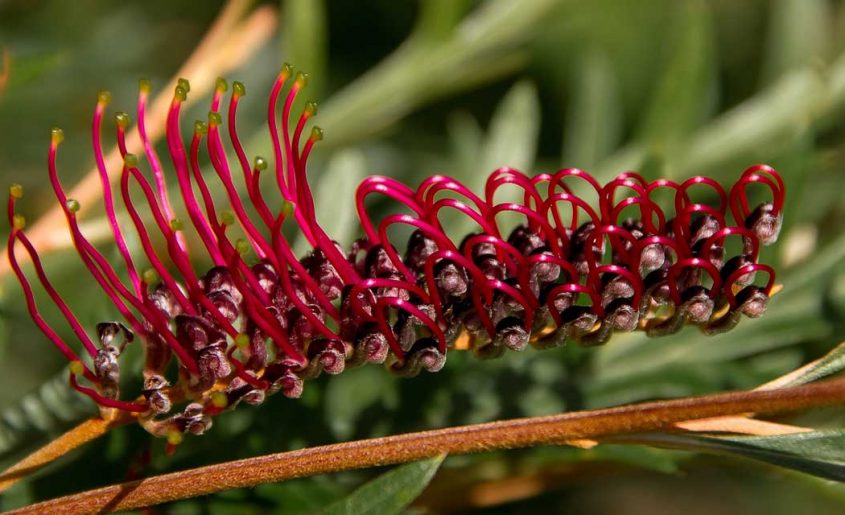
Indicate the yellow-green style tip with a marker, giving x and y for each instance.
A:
(16, 191)
(174, 437)
(176, 224)
(219, 400)
(301, 79)
(180, 94)
(214, 119)
(76, 367)
(227, 217)
(220, 85)
(122, 120)
(260, 163)
(104, 97)
(288, 208)
(242, 246)
(150, 276)
(19, 222)
(286, 71)
(316, 133)
(72, 205)
(184, 84)
(130, 160)
(57, 135)
(144, 86)
(311, 108)
(200, 127)
(238, 89)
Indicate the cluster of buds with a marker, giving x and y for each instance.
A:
(261, 321)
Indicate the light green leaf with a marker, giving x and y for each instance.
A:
(437, 19)
(593, 123)
(820, 453)
(390, 492)
(513, 132)
(799, 33)
(684, 92)
(304, 35)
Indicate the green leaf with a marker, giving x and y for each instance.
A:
(47, 411)
(305, 38)
(437, 19)
(390, 492)
(819, 453)
(513, 132)
(593, 123)
(684, 92)
(799, 33)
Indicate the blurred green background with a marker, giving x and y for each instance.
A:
(671, 88)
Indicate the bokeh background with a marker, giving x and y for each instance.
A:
(671, 88)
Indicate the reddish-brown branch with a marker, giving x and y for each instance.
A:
(651, 416)
(79, 435)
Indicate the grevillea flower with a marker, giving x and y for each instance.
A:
(262, 321)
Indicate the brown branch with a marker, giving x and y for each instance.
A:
(83, 433)
(227, 44)
(525, 432)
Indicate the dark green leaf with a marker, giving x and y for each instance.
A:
(820, 453)
(390, 492)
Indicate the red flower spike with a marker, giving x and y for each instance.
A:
(573, 270)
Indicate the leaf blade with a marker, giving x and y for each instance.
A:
(390, 492)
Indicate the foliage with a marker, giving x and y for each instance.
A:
(670, 88)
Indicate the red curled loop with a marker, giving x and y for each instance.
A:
(594, 279)
(744, 270)
(615, 235)
(596, 307)
(722, 234)
(664, 241)
(683, 197)
(430, 187)
(507, 175)
(534, 220)
(516, 262)
(390, 188)
(551, 205)
(647, 209)
(571, 273)
(382, 320)
(478, 277)
(674, 270)
(756, 174)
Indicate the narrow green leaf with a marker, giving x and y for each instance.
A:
(684, 92)
(593, 123)
(390, 492)
(819, 453)
(513, 132)
(47, 411)
(304, 35)
(437, 18)
(799, 33)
